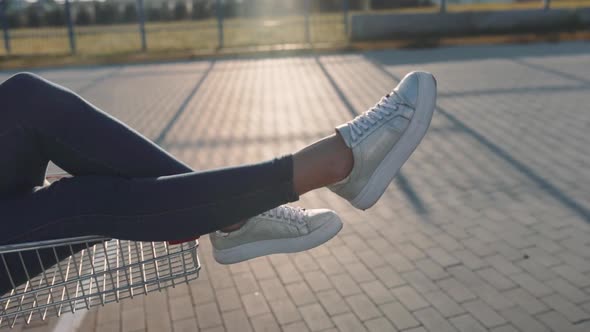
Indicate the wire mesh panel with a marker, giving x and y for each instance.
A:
(328, 20)
(97, 272)
(28, 41)
(263, 22)
(112, 39)
(181, 25)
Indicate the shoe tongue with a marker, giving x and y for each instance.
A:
(344, 131)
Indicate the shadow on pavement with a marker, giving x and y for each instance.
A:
(98, 80)
(552, 71)
(160, 139)
(542, 89)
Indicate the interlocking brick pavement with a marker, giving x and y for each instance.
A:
(486, 228)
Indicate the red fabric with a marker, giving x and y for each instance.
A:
(183, 241)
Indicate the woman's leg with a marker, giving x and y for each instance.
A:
(56, 124)
(148, 209)
(40, 121)
(77, 136)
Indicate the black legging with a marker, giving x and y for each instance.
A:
(124, 186)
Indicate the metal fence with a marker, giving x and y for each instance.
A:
(310, 23)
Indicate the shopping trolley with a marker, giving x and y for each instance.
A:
(98, 271)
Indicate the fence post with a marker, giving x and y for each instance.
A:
(71, 33)
(443, 6)
(219, 10)
(141, 21)
(546, 4)
(306, 9)
(345, 7)
(3, 7)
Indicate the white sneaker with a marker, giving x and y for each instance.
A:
(285, 229)
(384, 137)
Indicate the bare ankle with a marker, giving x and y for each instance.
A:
(322, 163)
(346, 161)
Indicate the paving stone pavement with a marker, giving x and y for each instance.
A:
(487, 228)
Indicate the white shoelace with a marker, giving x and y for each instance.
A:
(370, 118)
(288, 213)
(292, 214)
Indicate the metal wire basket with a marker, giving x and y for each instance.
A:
(96, 272)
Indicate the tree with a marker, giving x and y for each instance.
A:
(180, 11)
(386, 4)
(8, 4)
(106, 12)
(153, 14)
(130, 13)
(15, 20)
(165, 14)
(201, 9)
(83, 17)
(328, 5)
(34, 18)
(55, 17)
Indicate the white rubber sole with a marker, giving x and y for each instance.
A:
(394, 160)
(277, 246)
